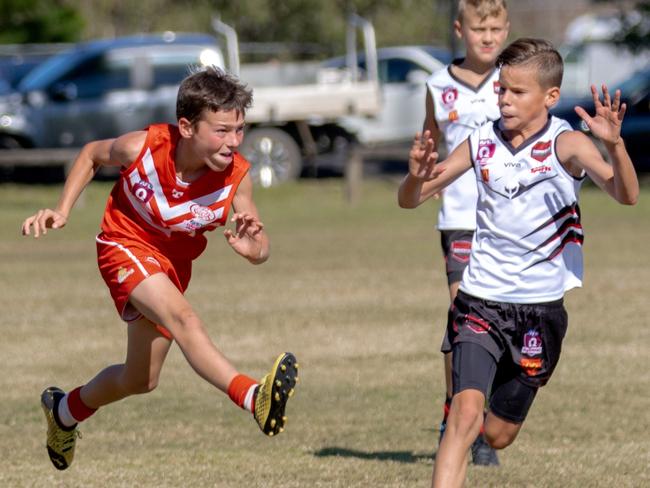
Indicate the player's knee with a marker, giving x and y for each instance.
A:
(468, 417)
(186, 320)
(500, 440)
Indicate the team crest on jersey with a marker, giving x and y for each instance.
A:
(142, 190)
(541, 151)
(486, 148)
(202, 214)
(460, 250)
(532, 343)
(176, 193)
(449, 97)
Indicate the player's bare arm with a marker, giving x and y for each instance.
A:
(430, 123)
(578, 152)
(427, 177)
(108, 152)
(248, 239)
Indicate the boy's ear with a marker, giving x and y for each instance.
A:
(458, 29)
(552, 96)
(185, 127)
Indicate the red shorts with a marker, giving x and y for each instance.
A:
(124, 264)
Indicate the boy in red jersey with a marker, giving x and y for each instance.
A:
(176, 183)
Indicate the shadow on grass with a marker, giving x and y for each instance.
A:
(399, 456)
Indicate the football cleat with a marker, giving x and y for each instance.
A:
(60, 441)
(273, 392)
(483, 454)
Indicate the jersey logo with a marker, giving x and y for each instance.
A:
(476, 325)
(123, 274)
(531, 365)
(541, 151)
(202, 213)
(177, 194)
(453, 116)
(496, 86)
(449, 97)
(485, 175)
(532, 343)
(486, 148)
(460, 250)
(143, 191)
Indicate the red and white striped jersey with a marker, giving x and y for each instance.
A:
(150, 203)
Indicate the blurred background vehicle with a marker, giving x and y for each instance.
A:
(636, 126)
(16, 60)
(101, 89)
(403, 71)
(104, 88)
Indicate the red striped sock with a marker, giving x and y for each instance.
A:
(78, 409)
(446, 409)
(241, 390)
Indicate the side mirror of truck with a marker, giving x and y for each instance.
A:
(417, 77)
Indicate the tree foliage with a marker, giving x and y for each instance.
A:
(24, 21)
(317, 22)
(298, 22)
(635, 26)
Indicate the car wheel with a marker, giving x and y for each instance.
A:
(9, 142)
(274, 155)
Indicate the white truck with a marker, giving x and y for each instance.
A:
(104, 88)
(297, 107)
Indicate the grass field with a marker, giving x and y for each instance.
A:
(358, 294)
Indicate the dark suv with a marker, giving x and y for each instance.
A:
(101, 89)
(635, 92)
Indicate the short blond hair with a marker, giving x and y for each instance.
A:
(484, 8)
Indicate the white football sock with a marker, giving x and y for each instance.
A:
(64, 414)
(248, 399)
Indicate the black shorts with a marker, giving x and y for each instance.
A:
(525, 337)
(456, 246)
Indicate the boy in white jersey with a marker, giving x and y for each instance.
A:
(509, 320)
(176, 183)
(461, 97)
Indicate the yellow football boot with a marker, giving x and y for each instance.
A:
(60, 441)
(274, 391)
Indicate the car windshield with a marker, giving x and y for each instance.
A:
(441, 54)
(637, 85)
(43, 74)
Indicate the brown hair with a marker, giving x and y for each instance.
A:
(211, 89)
(537, 53)
(484, 8)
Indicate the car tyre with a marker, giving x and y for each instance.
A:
(274, 155)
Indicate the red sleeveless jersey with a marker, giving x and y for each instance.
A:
(150, 204)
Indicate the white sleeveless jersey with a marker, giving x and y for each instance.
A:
(459, 109)
(527, 246)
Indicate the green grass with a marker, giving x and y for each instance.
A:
(359, 295)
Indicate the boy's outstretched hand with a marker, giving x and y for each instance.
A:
(247, 239)
(606, 123)
(423, 157)
(42, 220)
